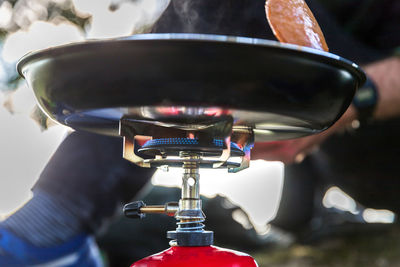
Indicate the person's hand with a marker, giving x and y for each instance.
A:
(288, 151)
(295, 150)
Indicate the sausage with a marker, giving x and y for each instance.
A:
(293, 22)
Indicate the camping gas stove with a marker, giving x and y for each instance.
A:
(191, 101)
(198, 141)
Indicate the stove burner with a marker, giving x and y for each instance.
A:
(172, 147)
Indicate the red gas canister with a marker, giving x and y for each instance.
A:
(208, 256)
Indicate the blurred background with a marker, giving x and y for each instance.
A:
(28, 139)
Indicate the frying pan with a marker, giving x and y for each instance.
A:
(280, 90)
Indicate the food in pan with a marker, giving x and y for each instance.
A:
(293, 22)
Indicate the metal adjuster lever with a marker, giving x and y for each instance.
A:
(138, 209)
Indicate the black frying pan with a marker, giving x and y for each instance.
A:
(281, 90)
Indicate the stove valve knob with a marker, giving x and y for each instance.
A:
(132, 210)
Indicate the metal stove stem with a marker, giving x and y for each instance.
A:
(190, 214)
(190, 230)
